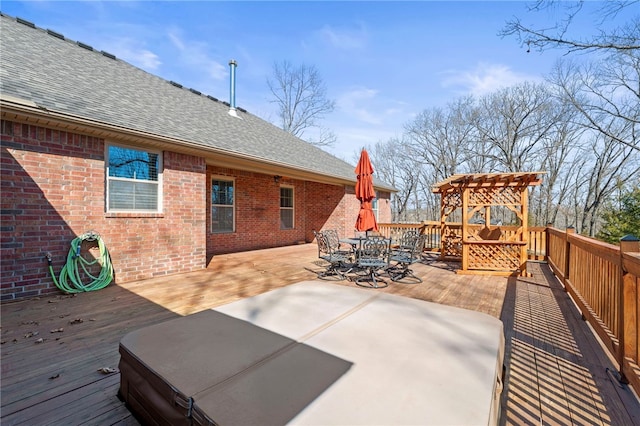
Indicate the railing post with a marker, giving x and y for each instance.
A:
(628, 305)
(567, 255)
(547, 242)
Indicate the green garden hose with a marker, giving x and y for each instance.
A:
(71, 280)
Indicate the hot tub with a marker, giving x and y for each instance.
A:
(317, 353)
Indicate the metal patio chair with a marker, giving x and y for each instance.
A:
(338, 260)
(404, 258)
(407, 241)
(373, 257)
(335, 244)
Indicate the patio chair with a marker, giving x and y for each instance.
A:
(373, 257)
(401, 271)
(338, 260)
(407, 241)
(335, 244)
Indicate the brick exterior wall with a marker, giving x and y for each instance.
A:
(327, 207)
(257, 211)
(353, 208)
(318, 206)
(384, 207)
(53, 190)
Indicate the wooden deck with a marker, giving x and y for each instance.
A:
(52, 348)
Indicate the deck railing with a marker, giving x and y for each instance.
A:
(537, 241)
(603, 279)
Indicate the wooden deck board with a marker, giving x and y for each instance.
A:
(552, 350)
(63, 408)
(556, 372)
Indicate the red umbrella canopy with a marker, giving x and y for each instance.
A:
(364, 171)
(365, 193)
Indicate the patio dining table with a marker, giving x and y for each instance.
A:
(356, 242)
(353, 241)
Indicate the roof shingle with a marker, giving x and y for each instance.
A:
(61, 75)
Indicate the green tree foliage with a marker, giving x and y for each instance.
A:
(623, 219)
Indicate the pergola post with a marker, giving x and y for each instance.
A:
(524, 226)
(450, 241)
(465, 224)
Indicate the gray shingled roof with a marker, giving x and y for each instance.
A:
(63, 76)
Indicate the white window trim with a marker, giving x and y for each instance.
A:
(377, 204)
(233, 206)
(108, 178)
(292, 208)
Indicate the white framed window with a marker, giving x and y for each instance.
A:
(374, 206)
(134, 179)
(286, 207)
(222, 205)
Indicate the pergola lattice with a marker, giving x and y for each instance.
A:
(481, 240)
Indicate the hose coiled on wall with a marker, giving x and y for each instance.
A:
(71, 275)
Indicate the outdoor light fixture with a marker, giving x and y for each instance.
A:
(277, 178)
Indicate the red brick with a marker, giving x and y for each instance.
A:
(53, 186)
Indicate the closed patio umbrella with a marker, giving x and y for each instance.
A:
(365, 193)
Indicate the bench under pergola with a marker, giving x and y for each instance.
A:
(483, 221)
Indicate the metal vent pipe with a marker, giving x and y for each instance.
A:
(232, 87)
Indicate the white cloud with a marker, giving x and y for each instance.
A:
(484, 78)
(144, 59)
(344, 38)
(364, 117)
(131, 51)
(351, 139)
(195, 55)
(175, 39)
(368, 107)
(356, 102)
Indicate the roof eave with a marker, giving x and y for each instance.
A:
(15, 109)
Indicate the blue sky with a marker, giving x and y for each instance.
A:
(382, 62)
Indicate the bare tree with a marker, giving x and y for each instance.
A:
(608, 89)
(606, 94)
(430, 202)
(558, 34)
(302, 101)
(515, 121)
(394, 166)
(441, 138)
(581, 129)
(609, 165)
(560, 147)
